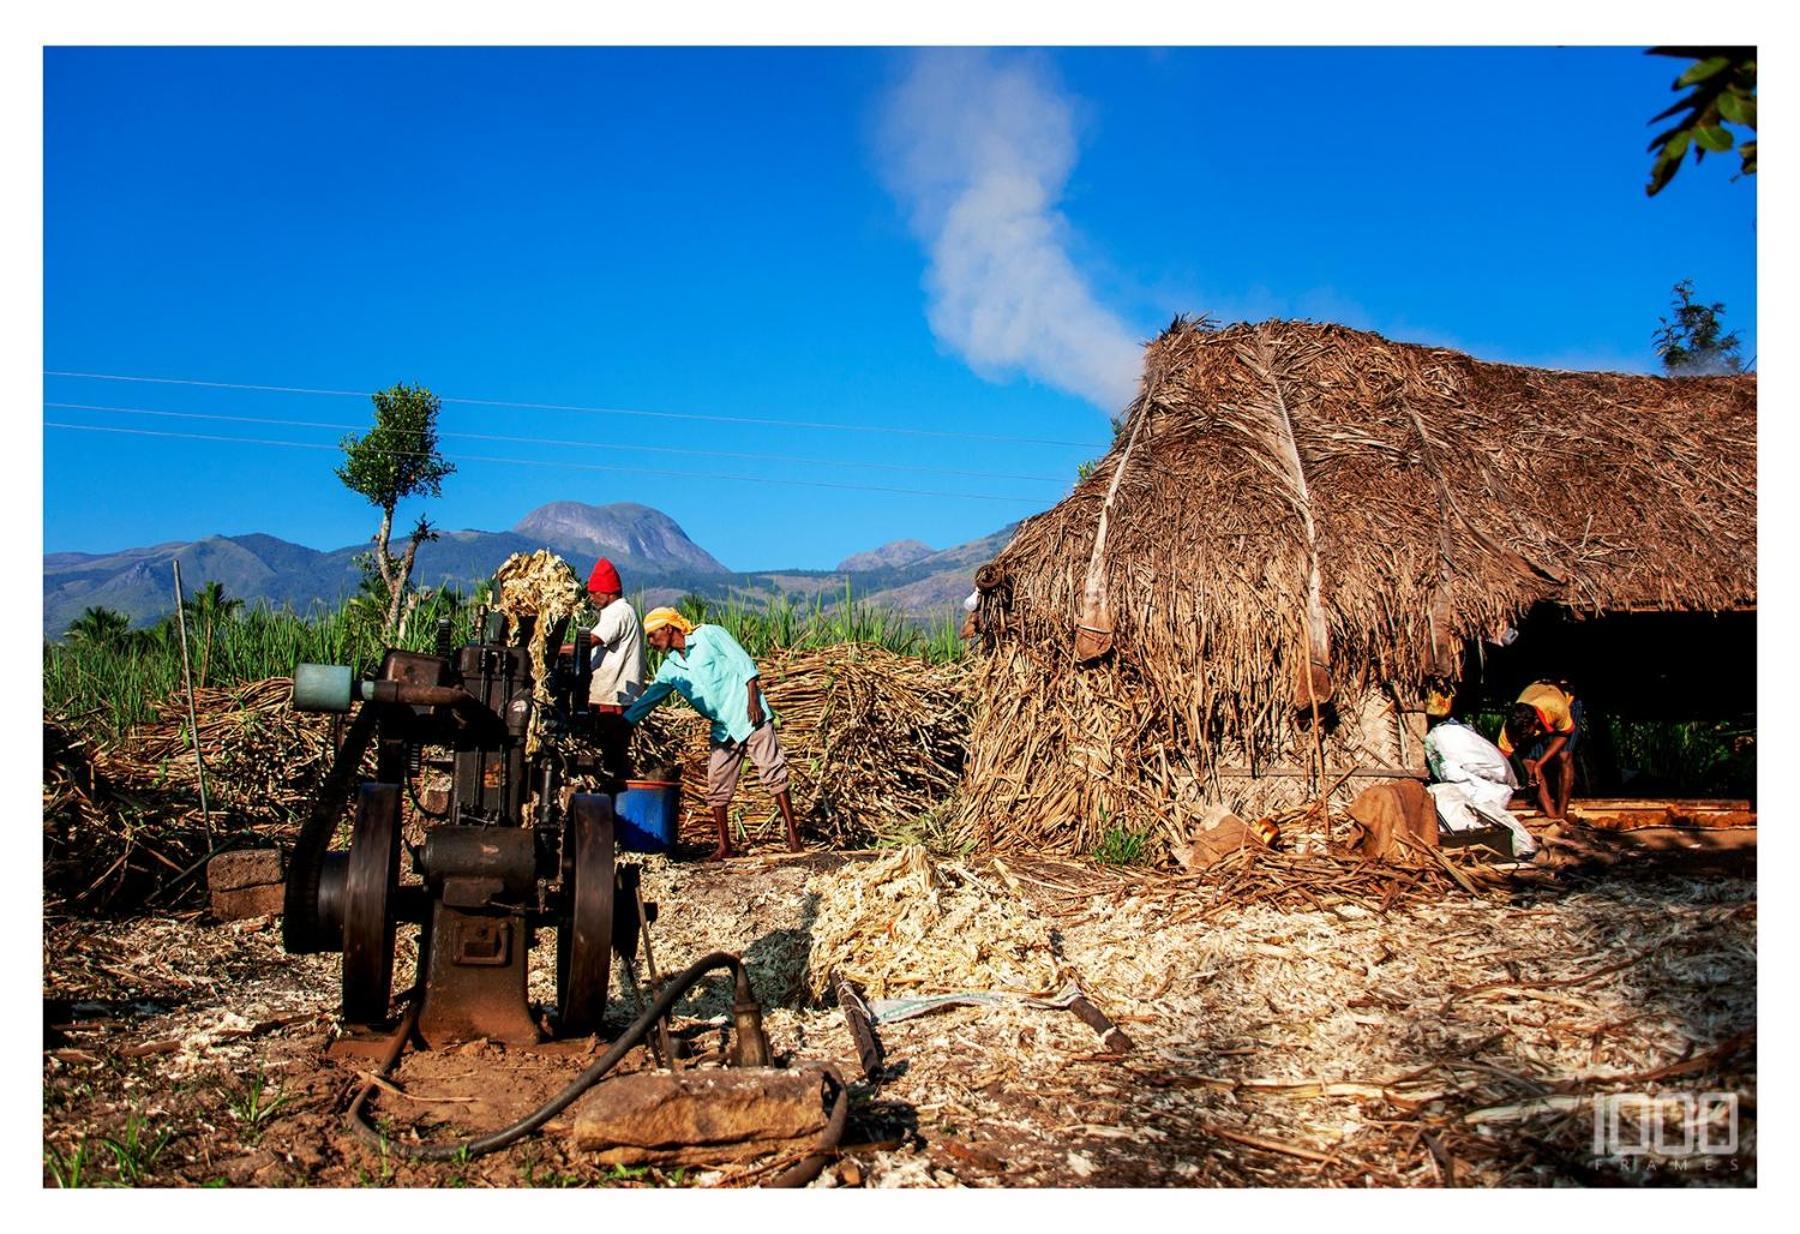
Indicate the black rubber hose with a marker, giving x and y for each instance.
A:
(478, 1145)
(804, 1171)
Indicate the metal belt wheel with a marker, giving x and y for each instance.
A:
(369, 881)
(584, 926)
(302, 931)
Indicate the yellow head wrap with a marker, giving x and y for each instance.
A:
(657, 618)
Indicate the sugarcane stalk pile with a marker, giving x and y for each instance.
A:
(123, 821)
(543, 589)
(872, 738)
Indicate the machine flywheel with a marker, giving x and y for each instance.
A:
(584, 926)
(372, 874)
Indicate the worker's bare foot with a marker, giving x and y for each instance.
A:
(721, 853)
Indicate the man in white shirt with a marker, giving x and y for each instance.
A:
(618, 666)
(1473, 781)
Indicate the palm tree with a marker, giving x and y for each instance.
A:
(208, 610)
(98, 625)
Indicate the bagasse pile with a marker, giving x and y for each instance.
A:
(904, 924)
(1292, 501)
(872, 739)
(542, 588)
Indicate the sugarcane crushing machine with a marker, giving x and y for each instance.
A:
(509, 852)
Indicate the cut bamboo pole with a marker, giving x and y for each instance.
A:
(187, 675)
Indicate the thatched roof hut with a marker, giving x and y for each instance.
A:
(1301, 518)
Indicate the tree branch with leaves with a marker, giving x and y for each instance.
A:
(1694, 343)
(396, 459)
(1721, 87)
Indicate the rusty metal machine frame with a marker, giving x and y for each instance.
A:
(506, 858)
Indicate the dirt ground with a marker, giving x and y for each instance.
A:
(1461, 1040)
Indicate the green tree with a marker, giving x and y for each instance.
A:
(1693, 343)
(1721, 85)
(396, 459)
(98, 625)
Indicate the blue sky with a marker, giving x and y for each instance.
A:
(786, 234)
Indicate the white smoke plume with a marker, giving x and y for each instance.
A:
(978, 151)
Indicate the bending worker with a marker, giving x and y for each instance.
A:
(706, 666)
(1545, 727)
(618, 667)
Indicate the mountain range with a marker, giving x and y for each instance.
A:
(655, 556)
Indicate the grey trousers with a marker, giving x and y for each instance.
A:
(727, 761)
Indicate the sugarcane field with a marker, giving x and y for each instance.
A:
(1341, 772)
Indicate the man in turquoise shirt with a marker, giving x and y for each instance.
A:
(708, 668)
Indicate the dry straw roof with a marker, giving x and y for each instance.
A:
(1439, 496)
(1287, 492)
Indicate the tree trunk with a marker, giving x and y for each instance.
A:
(397, 589)
(384, 562)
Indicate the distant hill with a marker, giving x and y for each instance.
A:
(894, 553)
(934, 585)
(656, 557)
(648, 546)
(627, 533)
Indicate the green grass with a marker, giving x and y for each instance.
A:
(1692, 758)
(1677, 758)
(68, 1170)
(1119, 847)
(104, 686)
(136, 1149)
(253, 1103)
(782, 625)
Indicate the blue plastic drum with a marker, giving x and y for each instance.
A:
(647, 814)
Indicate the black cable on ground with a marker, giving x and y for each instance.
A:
(478, 1145)
(809, 1168)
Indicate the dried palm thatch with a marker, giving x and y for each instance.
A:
(873, 739)
(1310, 520)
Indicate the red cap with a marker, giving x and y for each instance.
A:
(604, 579)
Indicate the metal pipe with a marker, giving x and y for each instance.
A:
(414, 695)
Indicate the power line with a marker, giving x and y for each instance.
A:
(530, 462)
(610, 411)
(553, 441)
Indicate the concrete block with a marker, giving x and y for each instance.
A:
(246, 867)
(242, 902)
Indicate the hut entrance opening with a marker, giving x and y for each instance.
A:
(1670, 697)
